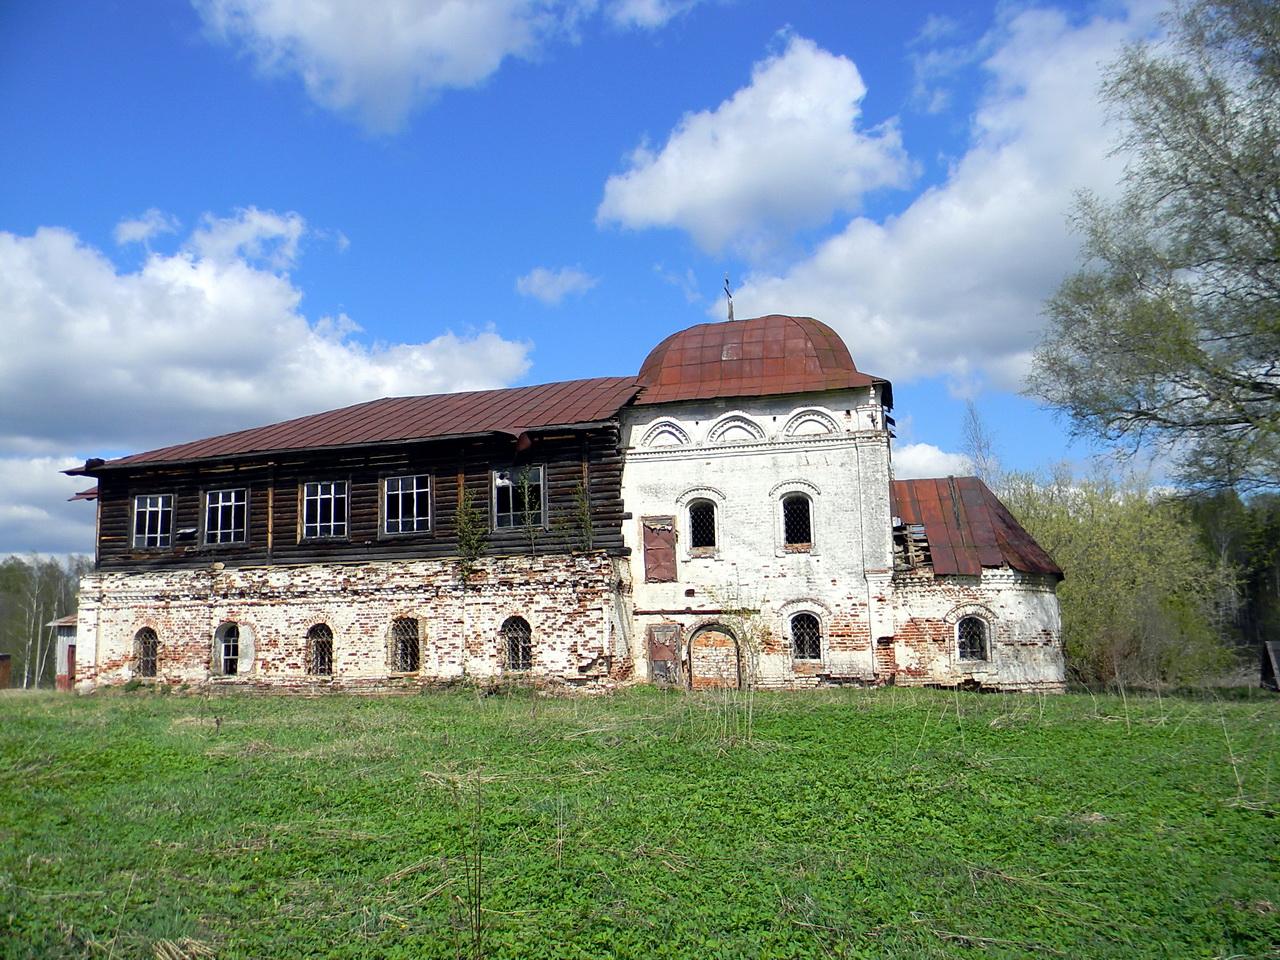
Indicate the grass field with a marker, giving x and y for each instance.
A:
(851, 823)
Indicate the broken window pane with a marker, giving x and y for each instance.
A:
(972, 634)
(795, 521)
(404, 645)
(517, 643)
(147, 650)
(320, 651)
(702, 525)
(517, 497)
(229, 649)
(806, 637)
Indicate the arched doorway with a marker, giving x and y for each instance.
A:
(714, 660)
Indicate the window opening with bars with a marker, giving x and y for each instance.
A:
(702, 525)
(407, 504)
(404, 645)
(226, 516)
(806, 637)
(153, 520)
(324, 509)
(320, 651)
(797, 527)
(517, 641)
(147, 650)
(972, 634)
(517, 497)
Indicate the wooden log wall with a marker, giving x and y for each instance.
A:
(591, 458)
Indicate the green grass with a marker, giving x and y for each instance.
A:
(855, 823)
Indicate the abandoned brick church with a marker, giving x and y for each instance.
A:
(726, 517)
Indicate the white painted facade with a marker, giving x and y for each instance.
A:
(745, 455)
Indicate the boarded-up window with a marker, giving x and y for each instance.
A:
(664, 652)
(659, 549)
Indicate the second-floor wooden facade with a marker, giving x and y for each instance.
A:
(531, 470)
(562, 492)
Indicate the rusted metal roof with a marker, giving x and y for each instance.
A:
(90, 494)
(514, 411)
(968, 528)
(763, 356)
(68, 621)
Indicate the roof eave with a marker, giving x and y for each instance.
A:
(124, 464)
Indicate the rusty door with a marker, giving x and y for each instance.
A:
(71, 666)
(714, 659)
(664, 653)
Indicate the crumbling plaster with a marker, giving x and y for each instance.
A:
(569, 601)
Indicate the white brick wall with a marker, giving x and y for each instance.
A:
(745, 454)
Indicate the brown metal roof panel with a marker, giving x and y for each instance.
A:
(412, 418)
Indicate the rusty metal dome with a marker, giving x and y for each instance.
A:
(763, 356)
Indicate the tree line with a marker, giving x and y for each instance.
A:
(35, 590)
(1167, 339)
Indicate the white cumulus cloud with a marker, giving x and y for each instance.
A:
(954, 284)
(252, 235)
(141, 229)
(378, 60)
(552, 286)
(202, 341)
(647, 14)
(781, 154)
(913, 460)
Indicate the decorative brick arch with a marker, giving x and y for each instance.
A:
(728, 429)
(669, 432)
(802, 423)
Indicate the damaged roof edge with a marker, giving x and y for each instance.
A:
(512, 411)
(94, 466)
(968, 528)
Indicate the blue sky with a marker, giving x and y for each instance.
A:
(221, 214)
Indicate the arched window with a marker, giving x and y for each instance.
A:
(226, 650)
(806, 637)
(971, 632)
(517, 643)
(797, 525)
(702, 525)
(146, 647)
(320, 651)
(404, 645)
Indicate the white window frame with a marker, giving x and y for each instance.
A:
(318, 491)
(510, 478)
(155, 507)
(215, 534)
(420, 484)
